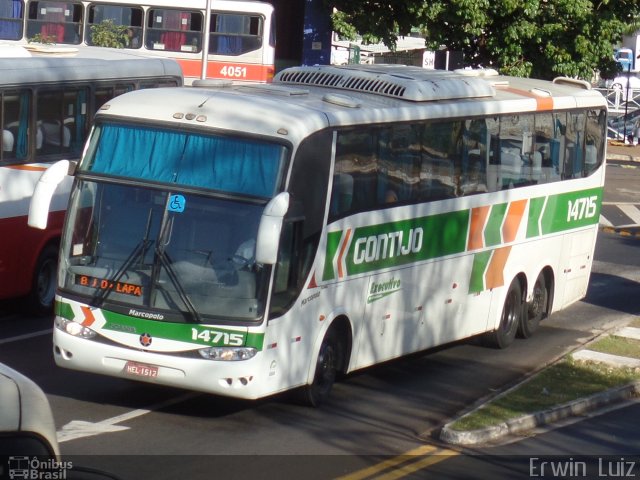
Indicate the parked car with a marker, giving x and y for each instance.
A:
(28, 444)
(620, 82)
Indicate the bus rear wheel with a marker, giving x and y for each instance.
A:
(536, 310)
(327, 368)
(510, 318)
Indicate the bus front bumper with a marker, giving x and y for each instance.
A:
(240, 379)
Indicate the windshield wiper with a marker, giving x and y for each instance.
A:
(138, 252)
(166, 262)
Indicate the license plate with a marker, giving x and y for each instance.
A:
(141, 370)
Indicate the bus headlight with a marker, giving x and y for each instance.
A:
(228, 354)
(74, 328)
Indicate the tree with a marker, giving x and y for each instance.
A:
(539, 38)
(108, 34)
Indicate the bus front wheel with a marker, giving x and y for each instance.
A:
(510, 318)
(43, 289)
(327, 368)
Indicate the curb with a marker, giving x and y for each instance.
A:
(528, 422)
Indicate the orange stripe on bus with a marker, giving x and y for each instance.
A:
(495, 273)
(31, 168)
(88, 317)
(512, 222)
(476, 228)
(542, 102)
(342, 251)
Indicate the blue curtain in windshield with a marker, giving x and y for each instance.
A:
(219, 163)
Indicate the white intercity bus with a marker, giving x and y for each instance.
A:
(245, 240)
(46, 111)
(240, 43)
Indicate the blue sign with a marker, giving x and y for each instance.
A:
(176, 203)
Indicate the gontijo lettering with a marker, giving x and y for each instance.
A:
(387, 245)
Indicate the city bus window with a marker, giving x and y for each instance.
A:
(235, 34)
(104, 94)
(62, 120)
(174, 30)
(11, 12)
(126, 16)
(57, 22)
(16, 108)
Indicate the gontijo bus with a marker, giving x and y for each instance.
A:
(46, 111)
(245, 240)
(240, 40)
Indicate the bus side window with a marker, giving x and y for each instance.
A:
(440, 150)
(574, 156)
(474, 157)
(515, 151)
(542, 165)
(341, 194)
(594, 148)
(355, 156)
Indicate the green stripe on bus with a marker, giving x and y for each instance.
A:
(181, 332)
(64, 310)
(480, 262)
(399, 243)
(333, 244)
(566, 211)
(535, 210)
(493, 229)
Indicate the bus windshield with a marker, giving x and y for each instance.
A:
(230, 165)
(152, 243)
(190, 257)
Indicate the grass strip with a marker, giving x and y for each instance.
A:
(565, 381)
(624, 347)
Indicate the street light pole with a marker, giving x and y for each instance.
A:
(205, 40)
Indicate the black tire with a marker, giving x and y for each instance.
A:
(536, 310)
(327, 368)
(512, 312)
(43, 288)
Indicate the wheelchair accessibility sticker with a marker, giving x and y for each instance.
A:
(176, 203)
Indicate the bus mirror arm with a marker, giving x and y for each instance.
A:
(269, 229)
(43, 193)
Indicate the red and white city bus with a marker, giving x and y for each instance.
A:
(46, 111)
(241, 40)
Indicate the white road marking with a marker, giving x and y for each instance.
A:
(80, 428)
(25, 336)
(631, 211)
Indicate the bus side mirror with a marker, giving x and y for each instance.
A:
(269, 229)
(42, 194)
